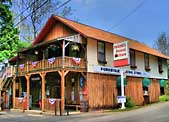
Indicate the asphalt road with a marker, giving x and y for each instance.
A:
(154, 113)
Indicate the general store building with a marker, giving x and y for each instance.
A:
(72, 63)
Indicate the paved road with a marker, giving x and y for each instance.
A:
(153, 113)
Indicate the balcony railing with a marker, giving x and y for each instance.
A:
(52, 64)
(5, 74)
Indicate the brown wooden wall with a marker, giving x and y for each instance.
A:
(154, 90)
(58, 30)
(51, 108)
(102, 91)
(134, 90)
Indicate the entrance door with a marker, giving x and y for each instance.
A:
(35, 92)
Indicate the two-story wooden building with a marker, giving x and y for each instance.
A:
(72, 62)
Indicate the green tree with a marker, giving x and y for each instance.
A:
(9, 39)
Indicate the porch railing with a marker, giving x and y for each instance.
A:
(52, 64)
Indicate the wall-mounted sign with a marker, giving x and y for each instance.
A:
(73, 38)
(36, 78)
(116, 71)
(121, 54)
(107, 70)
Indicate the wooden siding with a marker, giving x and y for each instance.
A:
(102, 90)
(51, 107)
(154, 90)
(58, 30)
(57, 64)
(18, 104)
(134, 90)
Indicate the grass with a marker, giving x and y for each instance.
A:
(164, 98)
(126, 109)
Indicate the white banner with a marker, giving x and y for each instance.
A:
(116, 71)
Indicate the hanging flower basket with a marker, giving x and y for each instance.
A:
(75, 48)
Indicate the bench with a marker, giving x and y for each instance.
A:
(74, 106)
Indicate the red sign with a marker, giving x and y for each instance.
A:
(121, 54)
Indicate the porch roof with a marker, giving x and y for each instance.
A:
(91, 32)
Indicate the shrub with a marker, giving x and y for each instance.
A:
(129, 103)
(164, 98)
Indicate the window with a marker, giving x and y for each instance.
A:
(101, 52)
(132, 59)
(146, 62)
(160, 68)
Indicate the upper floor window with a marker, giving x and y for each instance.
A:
(132, 59)
(101, 52)
(160, 68)
(146, 62)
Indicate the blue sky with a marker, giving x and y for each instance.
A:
(144, 25)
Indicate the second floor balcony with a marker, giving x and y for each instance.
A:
(68, 53)
(51, 64)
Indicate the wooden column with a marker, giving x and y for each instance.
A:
(43, 90)
(28, 90)
(63, 73)
(14, 92)
(0, 96)
(63, 54)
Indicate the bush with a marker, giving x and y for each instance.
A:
(164, 98)
(129, 103)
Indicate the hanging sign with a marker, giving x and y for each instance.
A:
(121, 54)
(51, 60)
(73, 38)
(52, 101)
(76, 60)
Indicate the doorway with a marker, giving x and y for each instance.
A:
(35, 91)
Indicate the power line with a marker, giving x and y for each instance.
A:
(129, 14)
(31, 13)
(24, 10)
(63, 4)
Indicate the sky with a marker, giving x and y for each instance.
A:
(145, 21)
